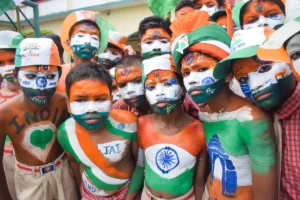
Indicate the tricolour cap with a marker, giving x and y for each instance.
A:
(37, 51)
(84, 15)
(117, 39)
(10, 39)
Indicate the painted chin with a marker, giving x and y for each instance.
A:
(91, 120)
(262, 96)
(41, 97)
(9, 75)
(162, 104)
(195, 92)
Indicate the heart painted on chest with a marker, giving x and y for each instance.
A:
(40, 138)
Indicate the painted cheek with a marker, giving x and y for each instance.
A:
(296, 65)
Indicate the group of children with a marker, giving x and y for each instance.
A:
(168, 124)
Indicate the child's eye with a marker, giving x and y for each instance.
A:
(100, 100)
(80, 100)
(295, 56)
(150, 88)
(244, 79)
(202, 69)
(122, 85)
(186, 74)
(149, 42)
(137, 81)
(50, 76)
(265, 68)
(168, 84)
(30, 76)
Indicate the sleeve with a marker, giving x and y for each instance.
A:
(257, 136)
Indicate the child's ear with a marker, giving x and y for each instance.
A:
(68, 104)
(229, 78)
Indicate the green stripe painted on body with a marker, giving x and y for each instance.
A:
(137, 179)
(100, 184)
(175, 186)
(126, 135)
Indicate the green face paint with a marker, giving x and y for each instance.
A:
(208, 91)
(37, 96)
(84, 51)
(151, 54)
(92, 121)
(7, 72)
(168, 108)
(107, 63)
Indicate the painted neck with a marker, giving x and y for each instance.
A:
(221, 101)
(13, 86)
(172, 118)
(78, 60)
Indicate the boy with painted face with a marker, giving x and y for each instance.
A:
(115, 90)
(239, 136)
(31, 120)
(209, 6)
(9, 41)
(184, 7)
(155, 36)
(172, 144)
(249, 14)
(83, 35)
(101, 141)
(287, 110)
(114, 51)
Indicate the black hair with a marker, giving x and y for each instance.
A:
(88, 71)
(244, 8)
(154, 22)
(56, 40)
(128, 61)
(220, 3)
(81, 22)
(184, 3)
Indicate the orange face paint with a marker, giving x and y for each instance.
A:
(242, 67)
(89, 90)
(159, 76)
(208, 3)
(114, 86)
(155, 34)
(128, 74)
(40, 68)
(183, 11)
(262, 13)
(197, 62)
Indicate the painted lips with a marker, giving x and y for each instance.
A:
(195, 91)
(162, 103)
(9, 75)
(132, 99)
(91, 119)
(262, 95)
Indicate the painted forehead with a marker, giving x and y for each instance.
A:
(89, 88)
(262, 7)
(192, 59)
(160, 76)
(294, 44)
(155, 34)
(127, 74)
(40, 68)
(242, 67)
(86, 27)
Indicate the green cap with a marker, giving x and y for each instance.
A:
(10, 39)
(236, 12)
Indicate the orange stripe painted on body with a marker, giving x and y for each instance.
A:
(123, 116)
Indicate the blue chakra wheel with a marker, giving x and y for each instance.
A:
(121, 126)
(208, 81)
(41, 82)
(166, 159)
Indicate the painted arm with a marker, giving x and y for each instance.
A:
(4, 193)
(200, 176)
(258, 135)
(137, 177)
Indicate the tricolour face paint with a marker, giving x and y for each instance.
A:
(197, 70)
(155, 42)
(85, 40)
(39, 82)
(210, 6)
(263, 82)
(130, 85)
(163, 91)
(110, 57)
(293, 50)
(7, 65)
(262, 13)
(115, 91)
(90, 103)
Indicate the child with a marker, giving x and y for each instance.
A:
(103, 143)
(172, 142)
(31, 120)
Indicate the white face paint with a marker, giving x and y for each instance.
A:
(293, 50)
(116, 96)
(162, 45)
(267, 75)
(111, 55)
(79, 108)
(269, 22)
(82, 39)
(167, 91)
(38, 80)
(132, 90)
(199, 79)
(209, 10)
(114, 150)
(7, 70)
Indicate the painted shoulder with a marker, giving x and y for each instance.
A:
(62, 134)
(122, 122)
(123, 116)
